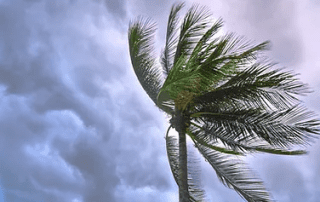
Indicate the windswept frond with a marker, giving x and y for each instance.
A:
(233, 48)
(235, 175)
(141, 49)
(256, 86)
(192, 77)
(172, 145)
(193, 26)
(180, 85)
(204, 45)
(276, 129)
(205, 136)
(211, 146)
(194, 177)
(222, 58)
(171, 38)
(229, 50)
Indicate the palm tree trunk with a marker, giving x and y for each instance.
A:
(183, 168)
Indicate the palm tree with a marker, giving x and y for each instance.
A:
(224, 95)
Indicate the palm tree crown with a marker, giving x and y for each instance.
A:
(224, 95)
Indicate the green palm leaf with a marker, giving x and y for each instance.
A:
(171, 38)
(253, 88)
(195, 22)
(140, 46)
(282, 129)
(204, 45)
(234, 174)
(209, 138)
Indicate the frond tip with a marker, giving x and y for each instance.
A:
(141, 52)
(171, 38)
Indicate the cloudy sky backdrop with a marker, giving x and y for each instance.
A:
(75, 125)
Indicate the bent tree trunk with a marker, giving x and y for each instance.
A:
(183, 168)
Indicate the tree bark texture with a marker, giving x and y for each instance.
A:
(183, 167)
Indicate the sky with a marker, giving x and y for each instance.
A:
(76, 126)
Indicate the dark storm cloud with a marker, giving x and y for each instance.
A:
(97, 170)
(23, 73)
(21, 174)
(288, 178)
(73, 128)
(139, 162)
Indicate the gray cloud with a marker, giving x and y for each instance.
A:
(60, 138)
(158, 11)
(264, 20)
(76, 125)
(97, 169)
(22, 135)
(275, 20)
(287, 182)
(117, 7)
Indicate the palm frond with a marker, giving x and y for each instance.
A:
(222, 58)
(194, 177)
(193, 26)
(230, 49)
(195, 192)
(172, 146)
(180, 85)
(211, 146)
(171, 38)
(278, 129)
(204, 45)
(234, 48)
(191, 76)
(235, 175)
(140, 36)
(256, 86)
(207, 137)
